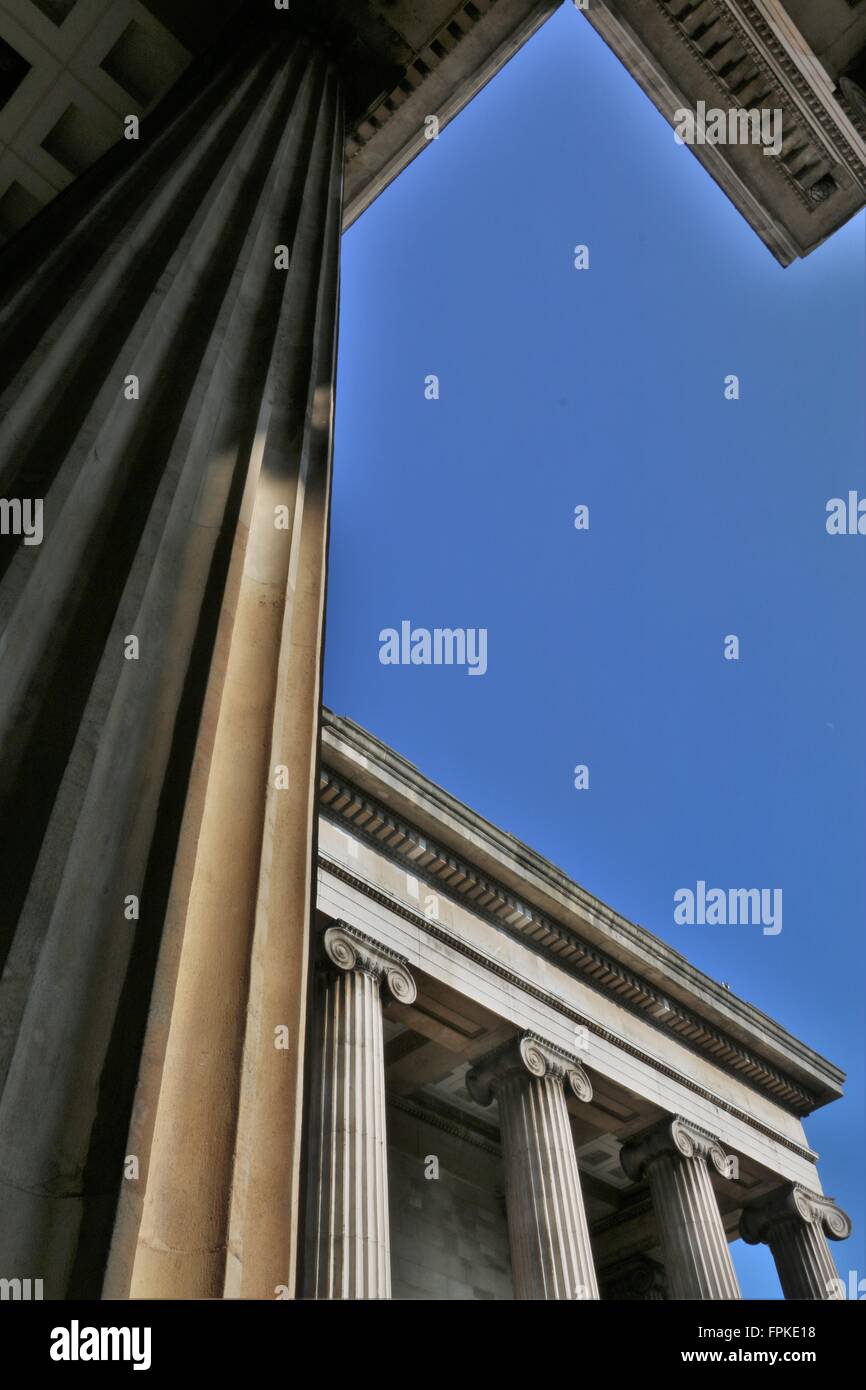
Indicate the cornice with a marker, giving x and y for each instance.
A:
(771, 24)
(565, 1010)
(492, 901)
(372, 788)
(437, 79)
(800, 105)
(424, 61)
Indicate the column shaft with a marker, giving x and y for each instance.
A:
(350, 1257)
(697, 1258)
(548, 1234)
(551, 1256)
(674, 1156)
(160, 522)
(805, 1266)
(348, 1237)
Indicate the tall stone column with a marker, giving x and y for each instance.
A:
(548, 1234)
(674, 1157)
(795, 1224)
(348, 1239)
(167, 375)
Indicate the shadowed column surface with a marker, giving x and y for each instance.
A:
(167, 366)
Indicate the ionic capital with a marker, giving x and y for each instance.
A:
(348, 949)
(526, 1054)
(674, 1136)
(797, 1205)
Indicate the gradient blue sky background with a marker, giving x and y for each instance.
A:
(707, 517)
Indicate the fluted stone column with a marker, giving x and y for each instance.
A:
(674, 1157)
(795, 1223)
(348, 1239)
(166, 374)
(551, 1256)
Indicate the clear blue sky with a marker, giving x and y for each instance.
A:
(707, 517)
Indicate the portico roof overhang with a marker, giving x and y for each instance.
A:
(403, 61)
(384, 798)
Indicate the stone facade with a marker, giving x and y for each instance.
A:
(449, 1236)
(628, 1155)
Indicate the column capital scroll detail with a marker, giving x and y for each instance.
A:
(530, 1054)
(347, 948)
(676, 1136)
(795, 1204)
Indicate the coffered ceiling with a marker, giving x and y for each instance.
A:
(71, 70)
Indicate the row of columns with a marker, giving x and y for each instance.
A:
(530, 1080)
(675, 1158)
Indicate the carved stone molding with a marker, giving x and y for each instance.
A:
(672, 1136)
(345, 805)
(820, 104)
(449, 1120)
(797, 1204)
(794, 1223)
(347, 948)
(810, 175)
(526, 987)
(526, 1053)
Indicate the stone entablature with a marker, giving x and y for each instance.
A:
(541, 999)
(749, 54)
(664, 974)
